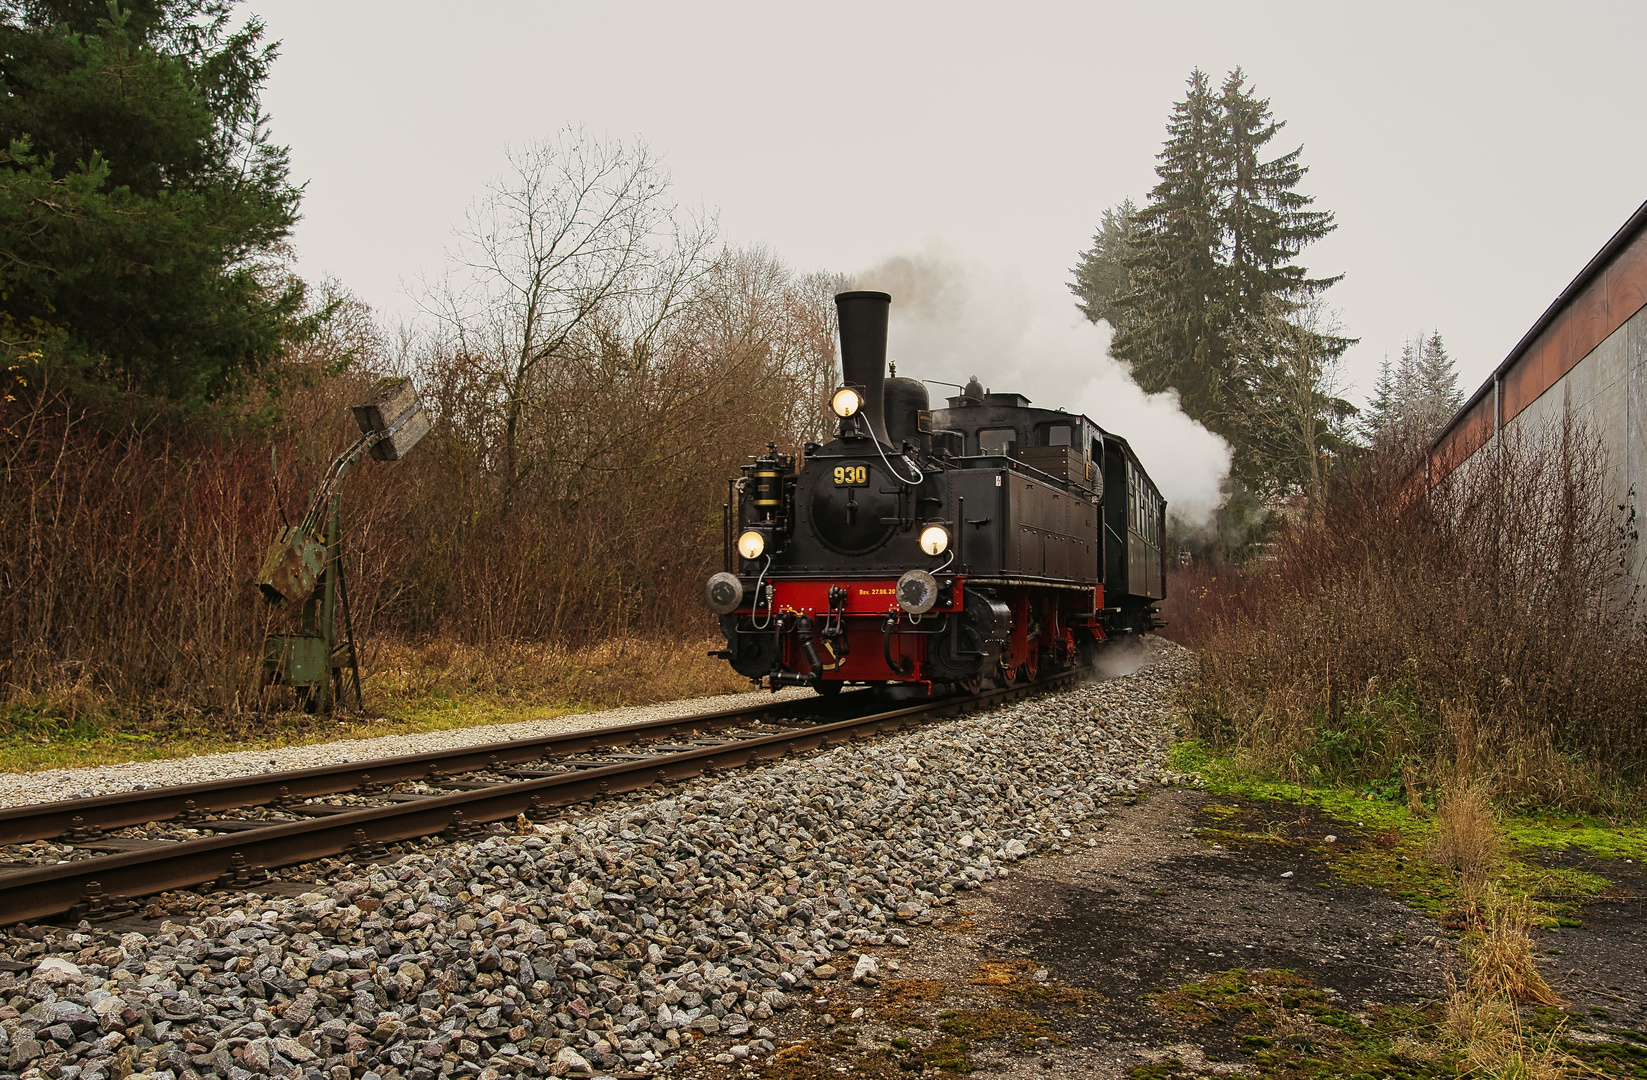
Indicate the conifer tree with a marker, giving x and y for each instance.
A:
(1101, 274)
(143, 205)
(1267, 223)
(1413, 402)
(1216, 296)
(1437, 383)
(1382, 408)
(1175, 323)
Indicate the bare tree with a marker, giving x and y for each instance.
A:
(579, 241)
(1296, 425)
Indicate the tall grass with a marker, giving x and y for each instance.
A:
(1481, 629)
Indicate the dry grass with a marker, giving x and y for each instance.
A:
(409, 689)
(1496, 1044)
(1397, 638)
(617, 671)
(1467, 838)
(1501, 961)
(1483, 1017)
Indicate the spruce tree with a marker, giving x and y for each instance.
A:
(1267, 222)
(142, 203)
(1101, 274)
(1216, 296)
(1413, 402)
(1175, 322)
(1437, 383)
(1383, 408)
(1404, 429)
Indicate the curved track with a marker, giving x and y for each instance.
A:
(244, 849)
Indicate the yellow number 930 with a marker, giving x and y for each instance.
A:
(851, 474)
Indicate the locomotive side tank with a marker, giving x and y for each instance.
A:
(934, 550)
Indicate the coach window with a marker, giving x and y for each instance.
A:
(998, 441)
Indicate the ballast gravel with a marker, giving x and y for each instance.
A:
(612, 943)
(49, 785)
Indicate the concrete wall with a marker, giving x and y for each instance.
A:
(1605, 397)
(1584, 362)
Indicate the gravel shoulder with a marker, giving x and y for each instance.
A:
(629, 938)
(1052, 968)
(49, 785)
(1008, 893)
(1071, 963)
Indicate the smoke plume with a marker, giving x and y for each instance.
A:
(952, 320)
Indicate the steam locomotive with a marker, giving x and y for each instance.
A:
(933, 551)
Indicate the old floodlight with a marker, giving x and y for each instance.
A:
(396, 416)
(752, 544)
(934, 539)
(303, 568)
(846, 402)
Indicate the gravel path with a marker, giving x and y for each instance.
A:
(17, 789)
(614, 943)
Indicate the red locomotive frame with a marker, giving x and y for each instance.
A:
(870, 603)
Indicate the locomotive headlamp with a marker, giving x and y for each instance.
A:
(751, 544)
(846, 402)
(934, 539)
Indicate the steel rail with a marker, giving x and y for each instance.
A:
(62, 888)
(47, 821)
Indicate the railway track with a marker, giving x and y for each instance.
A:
(268, 821)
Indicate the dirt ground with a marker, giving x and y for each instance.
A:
(1057, 969)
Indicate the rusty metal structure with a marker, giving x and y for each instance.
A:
(304, 565)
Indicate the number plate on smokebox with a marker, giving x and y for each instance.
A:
(851, 475)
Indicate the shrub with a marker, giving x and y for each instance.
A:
(1477, 629)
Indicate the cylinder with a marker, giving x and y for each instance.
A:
(863, 319)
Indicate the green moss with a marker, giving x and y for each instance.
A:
(1383, 843)
(949, 1054)
(1018, 1028)
(1558, 832)
(1625, 1057)
(1288, 1027)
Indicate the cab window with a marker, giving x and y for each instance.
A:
(1055, 435)
(1000, 441)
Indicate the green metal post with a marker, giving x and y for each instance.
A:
(328, 610)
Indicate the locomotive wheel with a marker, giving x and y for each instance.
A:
(828, 687)
(1032, 666)
(1009, 675)
(971, 686)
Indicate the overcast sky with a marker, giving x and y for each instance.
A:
(1476, 156)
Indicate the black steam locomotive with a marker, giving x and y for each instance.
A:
(936, 549)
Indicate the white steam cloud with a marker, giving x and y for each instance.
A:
(952, 320)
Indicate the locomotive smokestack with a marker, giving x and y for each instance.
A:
(863, 319)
